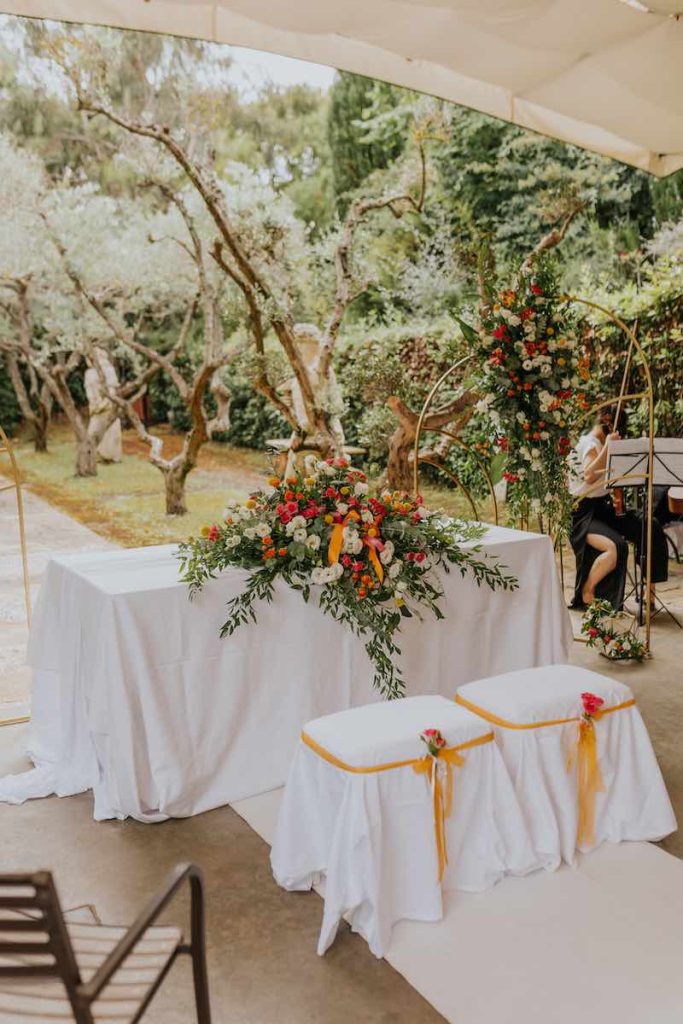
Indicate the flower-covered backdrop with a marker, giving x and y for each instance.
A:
(532, 373)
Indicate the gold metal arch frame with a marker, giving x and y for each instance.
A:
(417, 460)
(15, 485)
(634, 348)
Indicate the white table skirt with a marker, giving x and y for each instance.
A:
(136, 696)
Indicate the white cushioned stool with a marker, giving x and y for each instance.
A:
(367, 808)
(547, 745)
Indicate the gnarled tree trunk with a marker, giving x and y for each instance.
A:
(400, 460)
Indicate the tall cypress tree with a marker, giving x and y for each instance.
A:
(353, 157)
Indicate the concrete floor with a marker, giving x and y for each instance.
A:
(261, 941)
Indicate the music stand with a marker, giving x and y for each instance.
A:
(637, 463)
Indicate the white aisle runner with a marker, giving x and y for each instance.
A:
(599, 944)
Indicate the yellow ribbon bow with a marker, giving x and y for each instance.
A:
(337, 541)
(437, 767)
(589, 777)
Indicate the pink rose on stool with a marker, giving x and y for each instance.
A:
(591, 704)
(434, 741)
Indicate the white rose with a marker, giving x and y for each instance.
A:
(367, 516)
(357, 546)
(546, 371)
(318, 575)
(298, 523)
(233, 541)
(520, 417)
(527, 364)
(313, 542)
(394, 569)
(300, 536)
(545, 436)
(262, 529)
(335, 572)
(360, 488)
(387, 553)
(250, 532)
(342, 508)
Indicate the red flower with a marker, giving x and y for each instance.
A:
(591, 703)
(346, 560)
(536, 289)
(330, 492)
(503, 443)
(358, 566)
(214, 533)
(292, 507)
(593, 632)
(511, 478)
(526, 313)
(420, 556)
(500, 333)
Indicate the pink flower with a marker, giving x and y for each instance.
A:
(434, 740)
(591, 703)
(420, 556)
(292, 507)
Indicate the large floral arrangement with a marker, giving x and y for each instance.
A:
(368, 559)
(532, 377)
(612, 633)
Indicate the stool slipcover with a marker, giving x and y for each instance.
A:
(541, 760)
(369, 830)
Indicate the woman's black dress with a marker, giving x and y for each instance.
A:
(597, 515)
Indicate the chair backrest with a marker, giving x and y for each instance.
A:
(34, 942)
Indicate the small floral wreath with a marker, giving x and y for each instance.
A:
(600, 625)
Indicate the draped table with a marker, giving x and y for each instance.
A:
(136, 697)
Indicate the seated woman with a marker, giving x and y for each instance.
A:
(599, 536)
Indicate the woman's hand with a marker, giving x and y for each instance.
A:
(615, 436)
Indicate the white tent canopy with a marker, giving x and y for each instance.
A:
(603, 74)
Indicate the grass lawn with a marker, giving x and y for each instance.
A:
(125, 502)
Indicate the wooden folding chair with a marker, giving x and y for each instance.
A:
(55, 970)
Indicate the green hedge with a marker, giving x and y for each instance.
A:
(10, 416)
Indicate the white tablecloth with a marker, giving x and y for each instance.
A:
(136, 696)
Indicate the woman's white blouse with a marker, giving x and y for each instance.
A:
(578, 486)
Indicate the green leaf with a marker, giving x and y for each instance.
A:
(468, 331)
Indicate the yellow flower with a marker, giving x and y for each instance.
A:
(309, 481)
(274, 481)
(344, 490)
(561, 361)
(399, 602)
(329, 518)
(551, 330)
(205, 531)
(250, 503)
(561, 342)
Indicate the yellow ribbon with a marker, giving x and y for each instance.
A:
(442, 803)
(428, 765)
(337, 541)
(588, 778)
(585, 753)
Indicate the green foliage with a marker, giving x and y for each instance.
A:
(10, 416)
(353, 99)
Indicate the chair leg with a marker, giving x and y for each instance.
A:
(198, 953)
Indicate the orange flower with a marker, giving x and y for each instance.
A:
(267, 542)
(282, 552)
